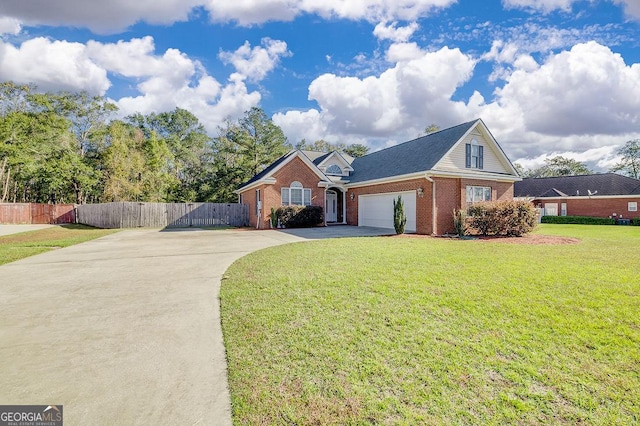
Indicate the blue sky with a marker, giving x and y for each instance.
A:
(548, 77)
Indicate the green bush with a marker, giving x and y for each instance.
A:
(580, 220)
(300, 216)
(399, 217)
(635, 221)
(507, 218)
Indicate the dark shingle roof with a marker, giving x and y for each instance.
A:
(409, 157)
(268, 170)
(605, 184)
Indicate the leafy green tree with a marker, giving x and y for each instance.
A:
(630, 162)
(431, 128)
(354, 150)
(189, 147)
(243, 149)
(560, 166)
(124, 163)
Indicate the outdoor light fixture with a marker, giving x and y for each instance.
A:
(352, 196)
(420, 192)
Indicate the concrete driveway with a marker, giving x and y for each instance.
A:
(126, 329)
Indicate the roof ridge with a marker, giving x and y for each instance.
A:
(421, 137)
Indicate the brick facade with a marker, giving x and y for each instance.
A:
(594, 206)
(295, 170)
(450, 195)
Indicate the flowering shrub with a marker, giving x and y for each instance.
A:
(507, 218)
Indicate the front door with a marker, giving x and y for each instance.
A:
(331, 207)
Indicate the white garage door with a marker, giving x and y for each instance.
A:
(377, 210)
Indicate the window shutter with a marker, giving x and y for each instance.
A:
(307, 197)
(480, 152)
(284, 194)
(468, 155)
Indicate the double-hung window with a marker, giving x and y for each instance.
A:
(476, 194)
(474, 155)
(296, 195)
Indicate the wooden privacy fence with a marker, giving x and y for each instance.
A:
(30, 213)
(162, 215)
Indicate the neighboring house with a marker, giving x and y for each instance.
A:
(433, 174)
(598, 195)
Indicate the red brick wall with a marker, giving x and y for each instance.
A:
(423, 205)
(295, 170)
(450, 195)
(594, 207)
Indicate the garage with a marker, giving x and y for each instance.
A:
(377, 209)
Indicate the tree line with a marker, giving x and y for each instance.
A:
(66, 147)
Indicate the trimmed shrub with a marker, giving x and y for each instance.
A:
(300, 216)
(635, 221)
(399, 217)
(506, 218)
(580, 220)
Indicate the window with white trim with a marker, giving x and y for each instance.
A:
(474, 153)
(296, 195)
(476, 194)
(632, 206)
(334, 169)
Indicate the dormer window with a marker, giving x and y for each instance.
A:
(334, 170)
(474, 155)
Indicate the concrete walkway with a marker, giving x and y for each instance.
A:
(126, 329)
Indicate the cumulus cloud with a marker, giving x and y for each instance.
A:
(587, 90)
(631, 8)
(255, 63)
(391, 31)
(52, 65)
(99, 16)
(162, 81)
(400, 101)
(539, 5)
(114, 16)
(9, 26)
(248, 12)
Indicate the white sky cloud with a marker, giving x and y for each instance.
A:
(98, 15)
(104, 17)
(52, 65)
(401, 100)
(391, 31)
(256, 63)
(9, 26)
(163, 81)
(248, 12)
(541, 5)
(631, 7)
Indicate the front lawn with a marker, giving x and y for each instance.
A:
(18, 246)
(435, 331)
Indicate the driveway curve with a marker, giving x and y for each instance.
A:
(125, 329)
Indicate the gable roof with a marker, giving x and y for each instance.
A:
(268, 170)
(417, 155)
(583, 185)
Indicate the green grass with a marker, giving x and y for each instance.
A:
(18, 246)
(435, 331)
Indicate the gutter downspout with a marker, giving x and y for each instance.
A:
(434, 215)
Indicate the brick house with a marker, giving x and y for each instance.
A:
(433, 174)
(597, 195)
